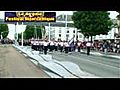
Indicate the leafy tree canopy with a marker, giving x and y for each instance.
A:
(92, 23)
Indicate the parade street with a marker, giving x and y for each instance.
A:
(100, 66)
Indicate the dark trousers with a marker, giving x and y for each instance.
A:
(56, 48)
(61, 49)
(78, 49)
(51, 48)
(45, 50)
(69, 49)
(66, 49)
(88, 50)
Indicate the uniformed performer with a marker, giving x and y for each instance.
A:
(52, 45)
(61, 46)
(34, 44)
(66, 46)
(40, 45)
(37, 45)
(78, 45)
(88, 44)
(56, 46)
(45, 44)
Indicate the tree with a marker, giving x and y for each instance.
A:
(118, 16)
(29, 32)
(4, 30)
(118, 24)
(34, 31)
(92, 23)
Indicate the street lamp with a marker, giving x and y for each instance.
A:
(49, 31)
(1, 35)
(15, 35)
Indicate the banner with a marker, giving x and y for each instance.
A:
(30, 16)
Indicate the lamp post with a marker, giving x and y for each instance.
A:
(1, 35)
(66, 25)
(22, 35)
(49, 31)
(35, 32)
(15, 35)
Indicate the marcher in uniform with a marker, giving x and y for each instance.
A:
(61, 46)
(45, 46)
(88, 44)
(78, 44)
(66, 45)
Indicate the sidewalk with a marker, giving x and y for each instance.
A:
(15, 65)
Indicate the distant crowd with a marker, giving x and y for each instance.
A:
(6, 41)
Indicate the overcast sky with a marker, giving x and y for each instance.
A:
(20, 28)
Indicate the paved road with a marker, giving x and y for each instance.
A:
(13, 64)
(97, 65)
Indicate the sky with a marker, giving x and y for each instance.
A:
(21, 28)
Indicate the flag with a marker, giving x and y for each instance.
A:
(71, 42)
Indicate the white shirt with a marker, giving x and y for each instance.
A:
(37, 43)
(88, 44)
(118, 46)
(51, 43)
(32, 42)
(61, 44)
(45, 43)
(56, 43)
(78, 43)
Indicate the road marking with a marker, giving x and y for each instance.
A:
(99, 63)
(92, 61)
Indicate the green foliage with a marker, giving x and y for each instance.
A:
(4, 30)
(118, 16)
(92, 23)
(31, 31)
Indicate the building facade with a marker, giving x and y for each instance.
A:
(64, 33)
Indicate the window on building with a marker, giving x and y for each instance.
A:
(80, 36)
(73, 31)
(73, 35)
(67, 35)
(67, 31)
(59, 31)
(59, 35)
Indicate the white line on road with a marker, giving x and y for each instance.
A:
(99, 63)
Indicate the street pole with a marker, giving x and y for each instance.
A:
(15, 34)
(66, 24)
(1, 35)
(22, 35)
(35, 32)
(49, 31)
